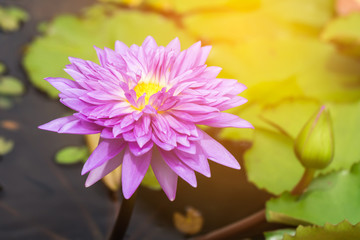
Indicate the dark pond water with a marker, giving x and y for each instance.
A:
(42, 200)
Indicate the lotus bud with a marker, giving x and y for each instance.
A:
(314, 146)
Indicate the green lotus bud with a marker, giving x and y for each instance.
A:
(314, 146)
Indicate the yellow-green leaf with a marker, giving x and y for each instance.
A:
(71, 155)
(344, 32)
(11, 18)
(5, 146)
(341, 231)
(329, 198)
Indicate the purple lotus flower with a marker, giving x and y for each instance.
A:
(146, 101)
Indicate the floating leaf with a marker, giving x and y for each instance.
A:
(100, 26)
(329, 198)
(279, 234)
(191, 223)
(344, 32)
(346, 118)
(11, 86)
(5, 146)
(5, 103)
(271, 162)
(188, 7)
(71, 155)
(11, 18)
(343, 230)
(2, 68)
(314, 13)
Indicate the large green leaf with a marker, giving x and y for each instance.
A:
(290, 115)
(271, 162)
(101, 26)
(307, 66)
(330, 198)
(344, 32)
(341, 231)
(306, 12)
(346, 119)
(190, 7)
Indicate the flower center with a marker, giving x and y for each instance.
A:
(148, 88)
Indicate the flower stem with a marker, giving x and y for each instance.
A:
(236, 227)
(304, 181)
(123, 218)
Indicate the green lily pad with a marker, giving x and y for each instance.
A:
(329, 198)
(279, 234)
(306, 12)
(72, 154)
(5, 146)
(11, 86)
(344, 32)
(289, 116)
(2, 68)
(11, 18)
(271, 162)
(346, 118)
(6, 103)
(190, 7)
(343, 230)
(100, 26)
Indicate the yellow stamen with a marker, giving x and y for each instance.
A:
(148, 88)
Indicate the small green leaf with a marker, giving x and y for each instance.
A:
(72, 154)
(11, 86)
(5, 102)
(341, 231)
(150, 180)
(2, 68)
(11, 18)
(5, 146)
(329, 198)
(278, 234)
